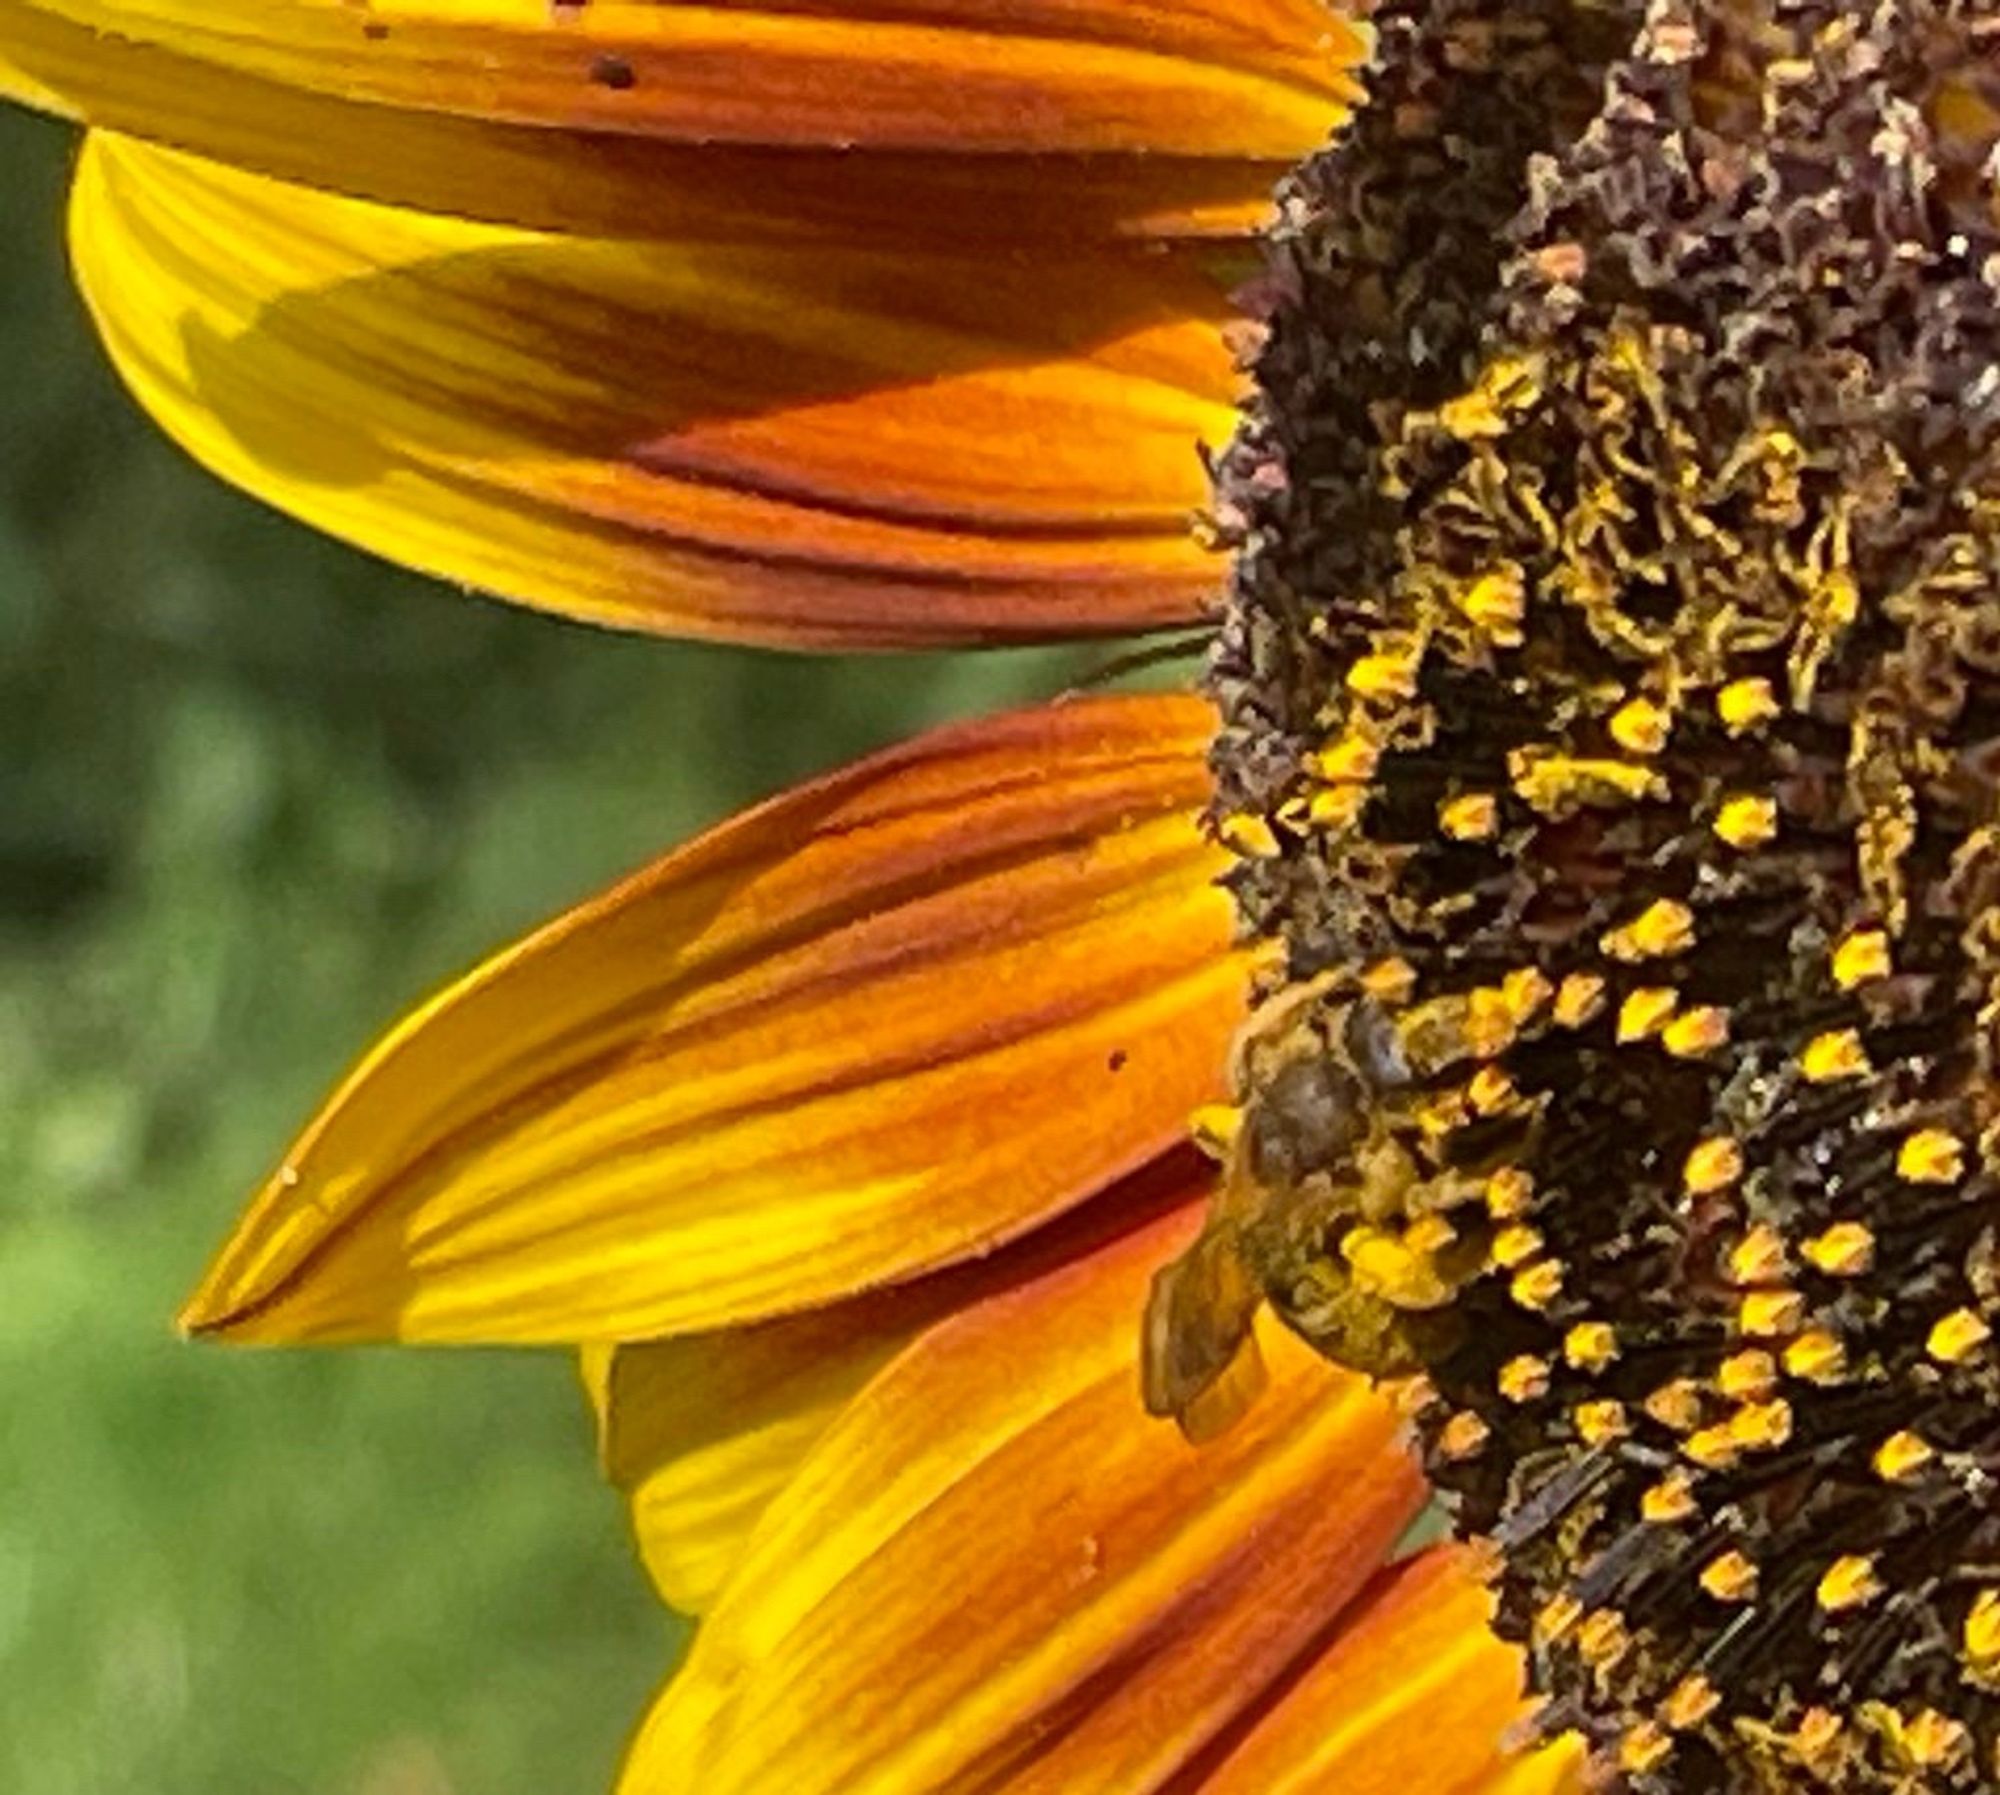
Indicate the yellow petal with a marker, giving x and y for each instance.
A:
(994, 1572)
(1169, 114)
(700, 1433)
(1409, 1690)
(873, 1026)
(844, 447)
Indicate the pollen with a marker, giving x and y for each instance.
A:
(1818, 1356)
(1600, 1423)
(1713, 1165)
(1537, 1287)
(1931, 1156)
(1666, 926)
(1495, 603)
(1902, 1456)
(1845, 1250)
(1696, 1033)
(1471, 816)
(1746, 822)
(1645, 1012)
(1957, 1337)
(1590, 1346)
(1676, 1405)
(1610, 648)
(1730, 1578)
(1759, 1257)
(1745, 704)
(1747, 1376)
(1669, 1501)
(1768, 1314)
(1644, 1749)
(1849, 1582)
(1510, 1193)
(1834, 1055)
(1640, 726)
(1980, 1637)
(1692, 1700)
(1524, 1379)
(1579, 999)
(1861, 958)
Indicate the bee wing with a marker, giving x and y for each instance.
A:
(1199, 1361)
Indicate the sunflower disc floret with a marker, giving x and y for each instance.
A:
(1612, 749)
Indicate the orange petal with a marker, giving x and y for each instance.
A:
(994, 1572)
(873, 1026)
(1171, 114)
(832, 447)
(700, 1433)
(1411, 1682)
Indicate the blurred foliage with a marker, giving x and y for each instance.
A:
(257, 794)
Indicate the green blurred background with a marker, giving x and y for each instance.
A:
(257, 794)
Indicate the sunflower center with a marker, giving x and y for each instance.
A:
(1612, 751)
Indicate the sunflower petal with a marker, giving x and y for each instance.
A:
(995, 1572)
(700, 1433)
(876, 1025)
(1410, 1676)
(848, 447)
(1170, 114)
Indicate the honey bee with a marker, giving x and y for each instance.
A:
(1318, 1068)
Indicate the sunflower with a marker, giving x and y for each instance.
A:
(1563, 912)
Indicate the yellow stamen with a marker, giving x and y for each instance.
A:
(1860, 958)
(1515, 1245)
(1758, 1258)
(1845, 1250)
(1524, 1378)
(1696, 1033)
(1578, 999)
(1850, 1582)
(1644, 1749)
(1472, 816)
(1746, 822)
(1590, 1345)
(1510, 1192)
(1745, 703)
(1645, 1011)
(1816, 1357)
(1982, 1636)
(1714, 1165)
(1603, 1639)
(1692, 1700)
(1730, 1578)
(1834, 1055)
(1663, 927)
(1958, 1337)
(1538, 1286)
(1902, 1456)
(1767, 1314)
(1464, 1436)
(1496, 602)
(1747, 1376)
(1931, 1156)
(1640, 726)
(1670, 1500)
(1761, 1426)
(1599, 1423)
(1676, 1405)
